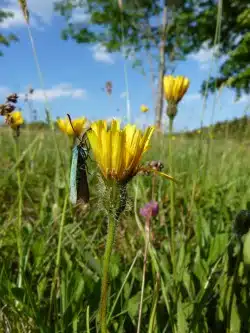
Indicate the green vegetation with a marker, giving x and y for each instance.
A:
(236, 129)
(196, 276)
(205, 289)
(6, 39)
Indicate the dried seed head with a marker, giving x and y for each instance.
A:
(151, 165)
(25, 11)
(12, 98)
(6, 108)
(109, 87)
(155, 165)
(31, 90)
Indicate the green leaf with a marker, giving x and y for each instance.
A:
(181, 320)
(246, 249)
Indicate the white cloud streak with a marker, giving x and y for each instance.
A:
(205, 55)
(100, 54)
(58, 91)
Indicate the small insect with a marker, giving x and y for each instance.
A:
(79, 189)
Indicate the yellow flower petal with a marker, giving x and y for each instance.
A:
(117, 151)
(175, 88)
(144, 108)
(14, 119)
(66, 127)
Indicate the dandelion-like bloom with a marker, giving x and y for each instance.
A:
(144, 108)
(66, 127)
(14, 119)
(175, 88)
(117, 151)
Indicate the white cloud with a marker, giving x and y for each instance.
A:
(79, 15)
(204, 66)
(205, 55)
(100, 54)
(242, 100)
(60, 90)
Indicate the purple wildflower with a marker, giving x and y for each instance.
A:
(150, 209)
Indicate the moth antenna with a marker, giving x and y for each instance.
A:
(80, 139)
(73, 127)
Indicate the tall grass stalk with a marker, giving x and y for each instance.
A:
(172, 206)
(125, 66)
(40, 75)
(147, 236)
(123, 284)
(19, 216)
(58, 255)
(47, 107)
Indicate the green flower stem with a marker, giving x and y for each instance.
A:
(117, 191)
(105, 276)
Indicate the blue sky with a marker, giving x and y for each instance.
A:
(74, 76)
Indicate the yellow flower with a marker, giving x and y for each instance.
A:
(144, 108)
(14, 119)
(117, 151)
(211, 136)
(175, 88)
(66, 127)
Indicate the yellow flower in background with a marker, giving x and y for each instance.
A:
(14, 119)
(144, 108)
(173, 138)
(66, 127)
(211, 136)
(175, 88)
(118, 152)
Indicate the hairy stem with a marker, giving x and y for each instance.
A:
(112, 222)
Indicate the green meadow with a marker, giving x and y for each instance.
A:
(203, 287)
(145, 254)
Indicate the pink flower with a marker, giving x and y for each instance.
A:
(150, 209)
